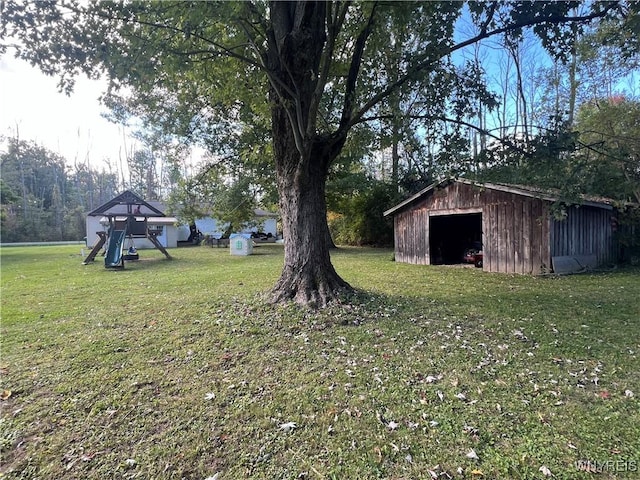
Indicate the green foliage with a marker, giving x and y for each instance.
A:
(234, 204)
(599, 155)
(601, 66)
(542, 160)
(357, 218)
(623, 36)
(215, 193)
(7, 195)
(142, 179)
(203, 70)
(628, 233)
(609, 136)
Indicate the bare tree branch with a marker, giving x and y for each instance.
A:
(425, 65)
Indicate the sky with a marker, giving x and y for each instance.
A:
(72, 126)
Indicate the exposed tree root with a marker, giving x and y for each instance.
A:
(311, 289)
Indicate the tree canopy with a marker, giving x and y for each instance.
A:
(311, 73)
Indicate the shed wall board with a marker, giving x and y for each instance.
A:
(586, 231)
(527, 238)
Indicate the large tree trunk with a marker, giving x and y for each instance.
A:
(308, 277)
(302, 155)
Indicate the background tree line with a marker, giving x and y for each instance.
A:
(501, 109)
(43, 198)
(46, 198)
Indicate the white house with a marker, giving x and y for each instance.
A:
(266, 222)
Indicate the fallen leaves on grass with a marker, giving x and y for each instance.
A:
(484, 358)
(472, 455)
(520, 335)
(392, 425)
(473, 431)
(545, 471)
(287, 427)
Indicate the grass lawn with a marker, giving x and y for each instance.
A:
(178, 370)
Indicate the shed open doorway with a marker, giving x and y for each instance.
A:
(451, 235)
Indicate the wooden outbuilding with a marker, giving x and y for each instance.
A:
(513, 224)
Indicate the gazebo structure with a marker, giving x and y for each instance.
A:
(128, 216)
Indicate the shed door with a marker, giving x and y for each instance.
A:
(451, 235)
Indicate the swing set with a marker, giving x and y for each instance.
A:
(128, 218)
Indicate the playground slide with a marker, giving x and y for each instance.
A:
(113, 258)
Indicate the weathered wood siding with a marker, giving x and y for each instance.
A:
(585, 231)
(411, 236)
(515, 234)
(516, 229)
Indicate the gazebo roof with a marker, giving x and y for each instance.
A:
(120, 205)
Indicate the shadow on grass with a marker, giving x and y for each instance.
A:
(357, 308)
(259, 249)
(139, 265)
(347, 250)
(268, 250)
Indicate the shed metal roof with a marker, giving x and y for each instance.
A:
(523, 190)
